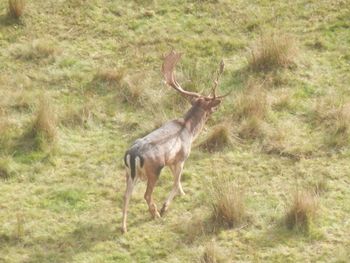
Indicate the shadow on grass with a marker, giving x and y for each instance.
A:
(6, 20)
(65, 248)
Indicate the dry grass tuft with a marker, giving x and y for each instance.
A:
(77, 115)
(38, 49)
(282, 101)
(128, 88)
(251, 128)
(212, 254)
(228, 203)
(252, 102)
(110, 75)
(5, 133)
(336, 121)
(16, 8)
(45, 122)
(302, 212)
(272, 52)
(194, 226)
(250, 108)
(6, 169)
(217, 140)
(42, 133)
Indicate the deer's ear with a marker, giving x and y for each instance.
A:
(193, 100)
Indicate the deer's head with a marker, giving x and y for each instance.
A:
(208, 103)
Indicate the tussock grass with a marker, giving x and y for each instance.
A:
(36, 50)
(320, 186)
(290, 138)
(228, 202)
(251, 103)
(335, 118)
(251, 128)
(250, 108)
(212, 253)
(193, 226)
(6, 170)
(77, 115)
(16, 8)
(110, 75)
(302, 211)
(272, 51)
(217, 140)
(5, 133)
(282, 101)
(128, 89)
(42, 132)
(45, 123)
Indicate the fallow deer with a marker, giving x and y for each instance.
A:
(169, 145)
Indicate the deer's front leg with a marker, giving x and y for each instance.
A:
(177, 188)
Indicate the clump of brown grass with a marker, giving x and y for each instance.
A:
(45, 122)
(212, 253)
(272, 51)
(77, 116)
(16, 8)
(42, 133)
(252, 102)
(110, 75)
(336, 121)
(251, 128)
(282, 101)
(250, 109)
(194, 226)
(228, 202)
(127, 88)
(38, 49)
(6, 169)
(217, 140)
(5, 133)
(320, 186)
(302, 211)
(286, 138)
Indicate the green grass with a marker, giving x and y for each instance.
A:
(99, 61)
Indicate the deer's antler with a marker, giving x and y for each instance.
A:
(216, 81)
(168, 67)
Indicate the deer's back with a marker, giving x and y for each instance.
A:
(164, 146)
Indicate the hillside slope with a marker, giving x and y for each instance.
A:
(80, 80)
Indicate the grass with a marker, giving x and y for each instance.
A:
(217, 140)
(212, 254)
(272, 51)
(45, 123)
(228, 203)
(98, 65)
(302, 211)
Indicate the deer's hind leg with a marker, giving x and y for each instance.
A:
(130, 183)
(177, 188)
(152, 178)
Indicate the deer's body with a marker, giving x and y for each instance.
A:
(169, 145)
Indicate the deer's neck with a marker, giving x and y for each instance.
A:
(195, 119)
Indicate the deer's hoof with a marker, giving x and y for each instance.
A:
(163, 210)
(124, 230)
(182, 193)
(156, 215)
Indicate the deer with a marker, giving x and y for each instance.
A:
(169, 145)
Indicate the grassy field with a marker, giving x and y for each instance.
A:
(80, 80)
